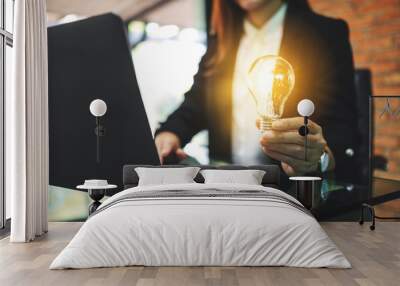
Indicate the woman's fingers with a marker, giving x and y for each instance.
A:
(166, 143)
(294, 124)
(271, 136)
(159, 151)
(284, 143)
(166, 148)
(164, 152)
(258, 123)
(300, 166)
(296, 151)
(288, 169)
(293, 150)
(181, 154)
(291, 137)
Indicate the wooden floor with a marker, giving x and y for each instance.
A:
(375, 257)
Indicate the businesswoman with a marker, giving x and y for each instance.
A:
(318, 49)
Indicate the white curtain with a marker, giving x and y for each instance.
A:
(27, 123)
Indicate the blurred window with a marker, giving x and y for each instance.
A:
(6, 64)
(166, 58)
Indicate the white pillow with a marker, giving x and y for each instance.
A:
(164, 176)
(248, 177)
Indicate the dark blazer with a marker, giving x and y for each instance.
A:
(319, 50)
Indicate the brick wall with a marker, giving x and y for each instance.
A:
(375, 38)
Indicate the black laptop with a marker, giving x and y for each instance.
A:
(91, 59)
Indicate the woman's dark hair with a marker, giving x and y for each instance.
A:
(226, 21)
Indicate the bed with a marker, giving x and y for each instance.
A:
(199, 224)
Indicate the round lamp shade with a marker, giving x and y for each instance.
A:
(305, 107)
(98, 107)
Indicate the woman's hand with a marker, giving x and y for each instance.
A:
(168, 143)
(283, 143)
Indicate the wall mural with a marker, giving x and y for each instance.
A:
(79, 153)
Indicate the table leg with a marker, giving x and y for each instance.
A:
(371, 210)
(96, 195)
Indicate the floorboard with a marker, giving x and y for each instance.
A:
(375, 257)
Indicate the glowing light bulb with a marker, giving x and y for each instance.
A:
(270, 80)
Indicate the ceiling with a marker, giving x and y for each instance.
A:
(57, 9)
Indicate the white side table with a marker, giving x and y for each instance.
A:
(96, 193)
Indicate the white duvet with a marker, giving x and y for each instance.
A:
(200, 231)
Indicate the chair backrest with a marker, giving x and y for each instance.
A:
(363, 83)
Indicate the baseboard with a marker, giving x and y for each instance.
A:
(5, 231)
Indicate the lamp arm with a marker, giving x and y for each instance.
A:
(305, 137)
(303, 131)
(98, 139)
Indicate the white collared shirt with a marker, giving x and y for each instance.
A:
(253, 44)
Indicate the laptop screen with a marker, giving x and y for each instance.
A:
(88, 60)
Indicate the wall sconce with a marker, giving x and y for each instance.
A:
(98, 108)
(305, 108)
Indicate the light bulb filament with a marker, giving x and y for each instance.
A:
(270, 81)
